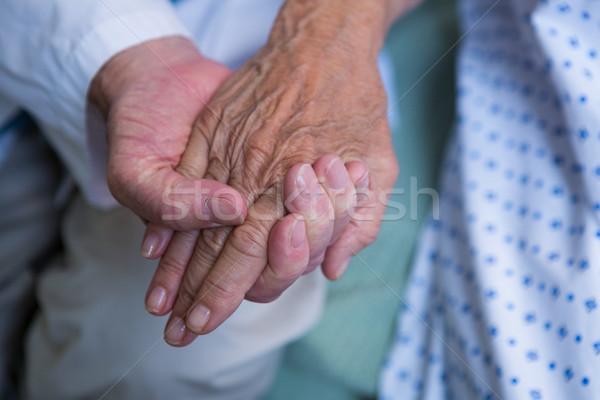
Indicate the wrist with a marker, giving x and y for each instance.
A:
(134, 63)
(326, 27)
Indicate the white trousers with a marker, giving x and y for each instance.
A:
(29, 176)
(92, 334)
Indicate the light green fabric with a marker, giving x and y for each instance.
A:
(342, 356)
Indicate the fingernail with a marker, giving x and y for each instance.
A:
(175, 331)
(149, 244)
(156, 299)
(302, 178)
(363, 182)
(336, 175)
(223, 209)
(343, 266)
(297, 234)
(198, 318)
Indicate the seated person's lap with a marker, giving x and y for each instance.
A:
(92, 328)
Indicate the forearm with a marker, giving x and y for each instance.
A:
(325, 26)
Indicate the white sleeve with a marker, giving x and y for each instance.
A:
(49, 52)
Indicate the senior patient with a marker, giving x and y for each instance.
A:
(313, 89)
(503, 300)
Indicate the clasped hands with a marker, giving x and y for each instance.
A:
(247, 180)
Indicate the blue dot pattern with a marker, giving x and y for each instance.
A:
(503, 298)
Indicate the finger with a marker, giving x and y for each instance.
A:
(167, 278)
(176, 329)
(195, 266)
(353, 240)
(161, 195)
(186, 204)
(305, 196)
(210, 294)
(288, 254)
(338, 256)
(334, 179)
(205, 253)
(156, 240)
(201, 203)
(359, 174)
(360, 232)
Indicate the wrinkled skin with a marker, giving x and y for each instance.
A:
(279, 110)
(313, 91)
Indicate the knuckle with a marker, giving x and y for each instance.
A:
(251, 238)
(345, 206)
(300, 147)
(218, 169)
(256, 296)
(209, 248)
(276, 276)
(265, 291)
(258, 156)
(315, 260)
(171, 269)
(214, 239)
(368, 237)
(269, 157)
(190, 170)
(220, 289)
(207, 122)
(185, 298)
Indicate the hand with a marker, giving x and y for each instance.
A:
(288, 250)
(314, 89)
(303, 188)
(150, 95)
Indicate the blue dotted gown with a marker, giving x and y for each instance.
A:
(503, 301)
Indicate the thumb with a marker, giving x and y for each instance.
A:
(167, 198)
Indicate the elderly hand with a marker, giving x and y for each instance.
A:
(313, 90)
